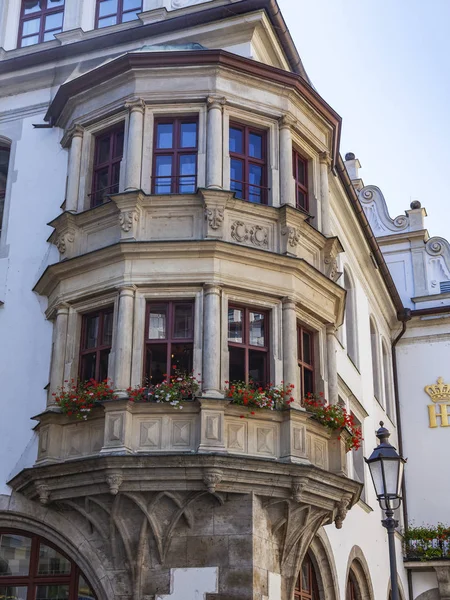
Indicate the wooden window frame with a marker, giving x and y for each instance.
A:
(41, 15)
(175, 152)
(110, 164)
(313, 593)
(118, 14)
(304, 366)
(250, 160)
(97, 350)
(169, 340)
(246, 337)
(33, 579)
(302, 187)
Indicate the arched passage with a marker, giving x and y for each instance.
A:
(358, 582)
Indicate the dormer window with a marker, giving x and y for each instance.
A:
(111, 12)
(248, 163)
(39, 21)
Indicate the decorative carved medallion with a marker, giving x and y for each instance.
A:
(255, 234)
(126, 220)
(214, 216)
(293, 235)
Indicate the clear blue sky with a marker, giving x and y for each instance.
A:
(384, 66)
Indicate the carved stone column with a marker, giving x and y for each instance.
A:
(211, 341)
(134, 147)
(124, 339)
(325, 163)
(74, 168)
(290, 351)
(214, 143)
(287, 191)
(332, 365)
(59, 350)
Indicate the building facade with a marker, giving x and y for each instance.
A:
(173, 200)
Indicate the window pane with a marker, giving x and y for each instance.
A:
(31, 26)
(129, 16)
(54, 21)
(84, 590)
(118, 144)
(130, 4)
(103, 370)
(55, 3)
(106, 22)
(29, 41)
(301, 200)
(4, 161)
(14, 554)
(91, 332)
(301, 173)
(237, 364)
(255, 176)
(235, 326)
(306, 583)
(257, 329)
(255, 145)
(236, 177)
(188, 135)
(156, 363)
(181, 357)
(101, 186)
(88, 365)
(157, 329)
(13, 592)
(32, 6)
(52, 592)
(103, 146)
(107, 328)
(50, 35)
(107, 7)
(307, 355)
(52, 562)
(236, 140)
(308, 382)
(257, 367)
(183, 327)
(163, 183)
(164, 135)
(188, 167)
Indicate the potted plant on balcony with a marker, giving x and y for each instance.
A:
(336, 418)
(427, 542)
(254, 397)
(174, 390)
(78, 398)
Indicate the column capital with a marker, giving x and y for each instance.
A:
(211, 288)
(288, 303)
(62, 309)
(126, 290)
(215, 102)
(331, 329)
(135, 105)
(287, 121)
(325, 158)
(76, 131)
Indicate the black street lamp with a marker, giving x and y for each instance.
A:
(386, 469)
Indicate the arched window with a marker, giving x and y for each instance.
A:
(375, 360)
(4, 163)
(306, 586)
(31, 568)
(350, 325)
(387, 380)
(353, 592)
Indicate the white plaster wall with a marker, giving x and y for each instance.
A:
(423, 581)
(38, 166)
(192, 584)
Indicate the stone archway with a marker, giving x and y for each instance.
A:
(357, 566)
(432, 594)
(17, 512)
(321, 556)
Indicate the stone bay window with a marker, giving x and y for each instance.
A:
(96, 340)
(39, 21)
(248, 163)
(248, 344)
(168, 339)
(111, 12)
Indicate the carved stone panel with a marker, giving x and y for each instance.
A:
(150, 434)
(181, 434)
(237, 437)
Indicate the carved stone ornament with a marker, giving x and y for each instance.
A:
(138, 104)
(255, 234)
(376, 210)
(325, 157)
(214, 216)
(298, 488)
(126, 220)
(293, 235)
(68, 237)
(332, 249)
(211, 478)
(114, 481)
(341, 512)
(287, 121)
(43, 492)
(215, 102)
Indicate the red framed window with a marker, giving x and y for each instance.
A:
(96, 341)
(108, 155)
(4, 162)
(175, 150)
(111, 12)
(31, 568)
(248, 163)
(248, 344)
(300, 167)
(305, 344)
(306, 586)
(39, 21)
(169, 339)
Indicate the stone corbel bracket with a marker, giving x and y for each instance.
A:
(211, 478)
(114, 481)
(130, 213)
(43, 492)
(342, 508)
(292, 224)
(214, 207)
(332, 248)
(64, 235)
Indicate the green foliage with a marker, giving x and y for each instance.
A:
(427, 542)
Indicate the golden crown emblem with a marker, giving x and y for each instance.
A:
(438, 391)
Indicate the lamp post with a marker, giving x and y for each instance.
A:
(386, 469)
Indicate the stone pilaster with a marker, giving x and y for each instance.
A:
(211, 341)
(325, 163)
(290, 351)
(214, 143)
(124, 339)
(59, 350)
(134, 146)
(74, 168)
(287, 190)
